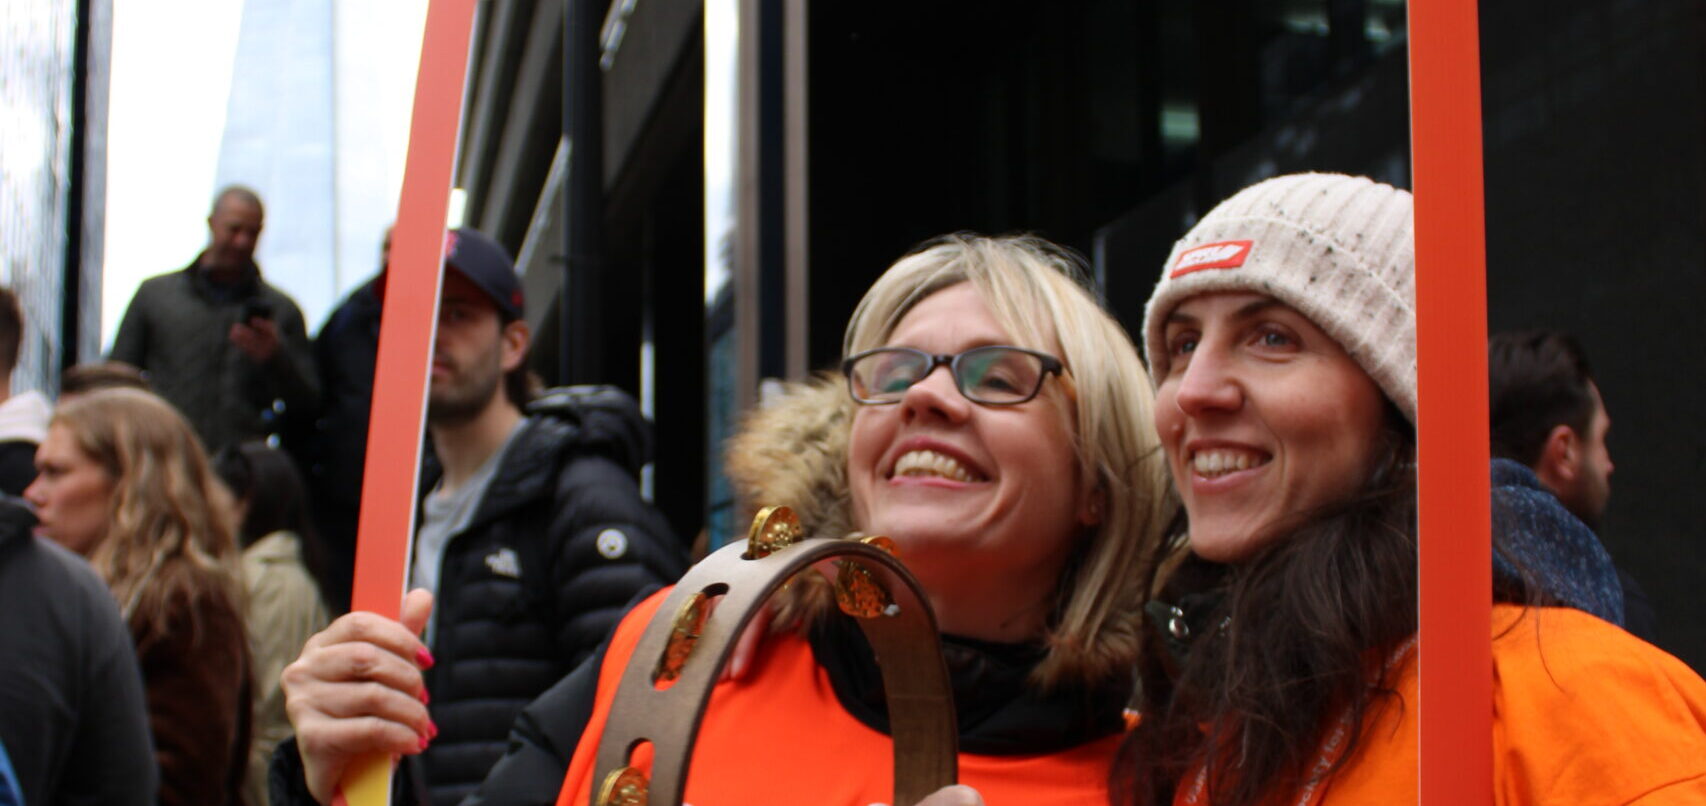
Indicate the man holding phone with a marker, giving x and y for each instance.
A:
(228, 350)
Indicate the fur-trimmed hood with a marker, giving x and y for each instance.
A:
(792, 450)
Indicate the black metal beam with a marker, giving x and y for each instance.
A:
(580, 359)
(71, 297)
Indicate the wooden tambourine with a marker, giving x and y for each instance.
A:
(685, 646)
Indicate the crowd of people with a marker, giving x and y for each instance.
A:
(1180, 574)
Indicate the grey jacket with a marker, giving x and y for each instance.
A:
(177, 331)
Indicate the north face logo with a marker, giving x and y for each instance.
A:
(1222, 255)
(504, 563)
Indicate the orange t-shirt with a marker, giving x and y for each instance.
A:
(1584, 714)
(784, 739)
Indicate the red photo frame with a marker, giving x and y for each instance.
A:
(1455, 566)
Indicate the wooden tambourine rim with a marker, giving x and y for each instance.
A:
(915, 677)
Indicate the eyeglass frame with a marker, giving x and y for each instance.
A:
(1051, 366)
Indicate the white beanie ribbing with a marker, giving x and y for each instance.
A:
(1338, 249)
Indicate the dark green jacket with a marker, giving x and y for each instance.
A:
(177, 330)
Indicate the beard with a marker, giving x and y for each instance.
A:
(464, 395)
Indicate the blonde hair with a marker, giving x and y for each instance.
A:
(171, 526)
(1037, 292)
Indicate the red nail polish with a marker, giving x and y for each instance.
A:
(432, 729)
(423, 658)
(424, 742)
(426, 699)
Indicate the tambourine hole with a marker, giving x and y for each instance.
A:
(688, 627)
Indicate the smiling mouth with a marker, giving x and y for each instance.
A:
(1221, 461)
(930, 464)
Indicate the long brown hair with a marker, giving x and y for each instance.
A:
(171, 527)
(1300, 637)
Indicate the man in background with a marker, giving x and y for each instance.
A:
(1547, 414)
(23, 416)
(228, 350)
(333, 452)
(533, 535)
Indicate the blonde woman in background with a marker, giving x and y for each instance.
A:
(123, 481)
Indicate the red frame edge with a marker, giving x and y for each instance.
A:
(391, 473)
(1455, 562)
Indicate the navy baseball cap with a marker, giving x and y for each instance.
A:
(484, 262)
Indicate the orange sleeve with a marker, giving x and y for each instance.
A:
(1585, 713)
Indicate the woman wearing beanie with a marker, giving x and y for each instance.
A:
(1282, 340)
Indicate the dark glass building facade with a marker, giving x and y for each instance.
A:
(860, 129)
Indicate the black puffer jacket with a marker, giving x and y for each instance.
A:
(331, 449)
(558, 546)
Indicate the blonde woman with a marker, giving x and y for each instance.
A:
(123, 481)
(994, 421)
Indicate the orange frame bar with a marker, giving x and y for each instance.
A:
(1452, 454)
(406, 333)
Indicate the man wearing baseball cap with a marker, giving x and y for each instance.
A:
(533, 535)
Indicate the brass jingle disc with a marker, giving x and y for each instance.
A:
(623, 787)
(773, 529)
(684, 635)
(858, 593)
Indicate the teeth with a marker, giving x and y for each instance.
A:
(931, 463)
(1220, 462)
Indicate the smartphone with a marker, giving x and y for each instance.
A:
(255, 309)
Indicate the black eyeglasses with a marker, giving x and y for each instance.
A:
(997, 375)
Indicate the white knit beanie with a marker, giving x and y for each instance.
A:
(1338, 249)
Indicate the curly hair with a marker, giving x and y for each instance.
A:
(171, 525)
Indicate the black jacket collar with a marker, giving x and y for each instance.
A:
(999, 711)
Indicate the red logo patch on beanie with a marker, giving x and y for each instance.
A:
(1219, 255)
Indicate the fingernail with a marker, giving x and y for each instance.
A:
(423, 658)
(966, 796)
(426, 699)
(432, 729)
(424, 742)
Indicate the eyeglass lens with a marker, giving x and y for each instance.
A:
(984, 374)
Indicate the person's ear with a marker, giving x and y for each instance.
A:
(516, 338)
(1560, 458)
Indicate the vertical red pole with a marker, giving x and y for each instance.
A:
(405, 343)
(1451, 351)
